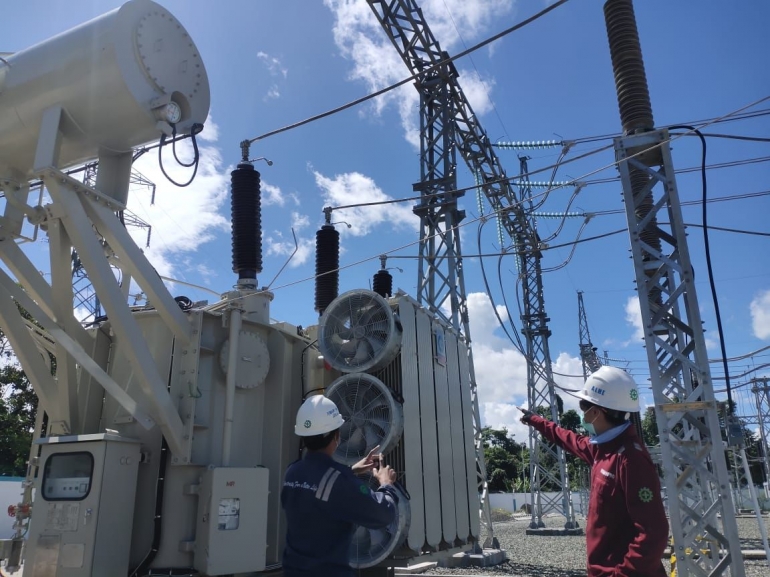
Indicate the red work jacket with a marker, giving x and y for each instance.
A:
(626, 527)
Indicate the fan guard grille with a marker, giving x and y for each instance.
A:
(372, 416)
(359, 332)
(370, 547)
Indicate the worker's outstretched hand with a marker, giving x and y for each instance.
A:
(384, 474)
(526, 415)
(368, 463)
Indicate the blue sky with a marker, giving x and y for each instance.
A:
(271, 64)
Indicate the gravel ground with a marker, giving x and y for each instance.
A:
(539, 556)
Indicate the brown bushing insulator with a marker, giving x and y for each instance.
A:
(246, 210)
(327, 264)
(628, 67)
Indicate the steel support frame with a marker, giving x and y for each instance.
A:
(761, 390)
(693, 455)
(407, 29)
(85, 297)
(742, 472)
(72, 220)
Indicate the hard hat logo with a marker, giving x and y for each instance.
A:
(317, 416)
(611, 388)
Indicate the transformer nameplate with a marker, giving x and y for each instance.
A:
(63, 516)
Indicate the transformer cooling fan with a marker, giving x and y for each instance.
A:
(372, 416)
(370, 547)
(359, 332)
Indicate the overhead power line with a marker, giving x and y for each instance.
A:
(729, 198)
(714, 120)
(424, 72)
(390, 252)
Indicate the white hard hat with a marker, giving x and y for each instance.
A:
(611, 388)
(317, 416)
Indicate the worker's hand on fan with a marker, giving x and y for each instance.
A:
(384, 474)
(368, 463)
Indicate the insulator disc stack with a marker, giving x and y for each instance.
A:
(634, 105)
(383, 283)
(246, 214)
(628, 67)
(327, 264)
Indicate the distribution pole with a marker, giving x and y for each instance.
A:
(696, 476)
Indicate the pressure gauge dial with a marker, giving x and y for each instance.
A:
(173, 112)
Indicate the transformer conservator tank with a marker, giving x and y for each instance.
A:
(116, 77)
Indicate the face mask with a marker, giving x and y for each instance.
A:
(589, 427)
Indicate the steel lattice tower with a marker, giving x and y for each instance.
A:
(588, 356)
(761, 390)
(548, 464)
(448, 126)
(695, 472)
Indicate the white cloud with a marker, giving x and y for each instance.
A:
(477, 91)
(271, 195)
(277, 245)
(182, 219)
(361, 39)
(299, 221)
(634, 318)
(760, 315)
(501, 371)
(568, 365)
(712, 344)
(276, 69)
(356, 188)
(273, 64)
(272, 93)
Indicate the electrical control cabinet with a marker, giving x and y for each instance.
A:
(83, 512)
(231, 530)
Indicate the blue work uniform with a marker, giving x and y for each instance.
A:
(324, 501)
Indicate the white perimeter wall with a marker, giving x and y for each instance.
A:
(10, 494)
(513, 501)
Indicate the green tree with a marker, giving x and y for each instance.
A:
(498, 438)
(503, 459)
(650, 428)
(570, 420)
(18, 407)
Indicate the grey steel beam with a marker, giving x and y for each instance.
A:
(695, 473)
